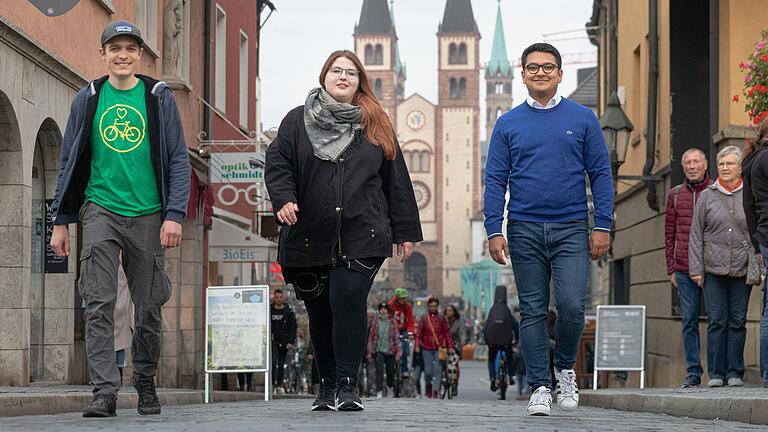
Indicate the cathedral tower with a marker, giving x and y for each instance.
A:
(498, 78)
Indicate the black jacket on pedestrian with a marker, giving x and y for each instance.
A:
(356, 207)
(755, 196)
(283, 326)
(166, 140)
(501, 328)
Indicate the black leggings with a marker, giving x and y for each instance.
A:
(338, 323)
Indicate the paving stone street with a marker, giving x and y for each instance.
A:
(476, 409)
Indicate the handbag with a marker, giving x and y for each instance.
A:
(442, 352)
(754, 272)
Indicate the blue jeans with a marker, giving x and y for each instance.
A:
(726, 298)
(406, 347)
(689, 294)
(433, 369)
(764, 325)
(541, 251)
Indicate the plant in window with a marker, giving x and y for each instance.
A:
(755, 91)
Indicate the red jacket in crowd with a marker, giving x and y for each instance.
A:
(677, 223)
(403, 314)
(424, 337)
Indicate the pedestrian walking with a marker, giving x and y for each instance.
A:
(283, 329)
(366, 373)
(681, 201)
(384, 348)
(458, 334)
(124, 175)
(501, 332)
(433, 339)
(718, 258)
(341, 191)
(755, 197)
(541, 150)
(400, 308)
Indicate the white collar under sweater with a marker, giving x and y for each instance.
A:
(551, 104)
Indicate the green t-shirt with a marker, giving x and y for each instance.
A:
(122, 176)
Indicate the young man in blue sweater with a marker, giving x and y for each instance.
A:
(543, 149)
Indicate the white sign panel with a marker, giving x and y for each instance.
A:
(237, 327)
(236, 167)
(620, 338)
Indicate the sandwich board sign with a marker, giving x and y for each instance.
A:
(620, 340)
(237, 332)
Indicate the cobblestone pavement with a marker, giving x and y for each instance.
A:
(475, 410)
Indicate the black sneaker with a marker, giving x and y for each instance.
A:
(691, 381)
(325, 396)
(346, 396)
(102, 405)
(149, 403)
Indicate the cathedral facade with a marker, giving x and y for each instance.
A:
(440, 142)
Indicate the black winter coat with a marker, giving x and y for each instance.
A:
(356, 207)
(755, 198)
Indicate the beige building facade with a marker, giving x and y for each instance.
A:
(699, 49)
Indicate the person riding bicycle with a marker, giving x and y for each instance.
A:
(501, 332)
(401, 310)
(384, 348)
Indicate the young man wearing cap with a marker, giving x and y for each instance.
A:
(124, 176)
(543, 150)
(384, 348)
(400, 308)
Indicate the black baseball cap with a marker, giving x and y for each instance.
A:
(383, 305)
(121, 28)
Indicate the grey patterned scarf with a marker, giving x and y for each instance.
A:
(330, 124)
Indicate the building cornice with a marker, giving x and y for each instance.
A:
(24, 44)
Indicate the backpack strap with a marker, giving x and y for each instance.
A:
(675, 193)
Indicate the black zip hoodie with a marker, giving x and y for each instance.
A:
(755, 173)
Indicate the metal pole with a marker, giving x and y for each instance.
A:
(642, 379)
(594, 380)
(207, 385)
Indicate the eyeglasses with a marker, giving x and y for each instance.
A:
(533, 68)
(351, 73)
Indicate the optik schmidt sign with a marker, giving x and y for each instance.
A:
(236, 168)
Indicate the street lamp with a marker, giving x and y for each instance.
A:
(617, 129)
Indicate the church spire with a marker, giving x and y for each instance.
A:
(499, 63)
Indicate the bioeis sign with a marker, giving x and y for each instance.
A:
(54, 7)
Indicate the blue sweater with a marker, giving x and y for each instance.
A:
(543, 155)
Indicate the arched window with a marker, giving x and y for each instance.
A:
(407, 158)
(453, 54)
(454, 89)
(462, 88)
(425, 161)
(378, 57)
(368, 54)
(415, 161)
(462, 53)
(377, 88)
(499, 88)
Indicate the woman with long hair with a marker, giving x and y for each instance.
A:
(341, 192)
(755, 172)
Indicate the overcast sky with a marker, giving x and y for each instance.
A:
(300, 35)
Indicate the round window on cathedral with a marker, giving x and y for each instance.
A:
(422, 193)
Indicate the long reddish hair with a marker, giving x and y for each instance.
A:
(761, 140)
(376, 125)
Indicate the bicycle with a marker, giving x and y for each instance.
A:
(295, 377)
(502, 380)
(450, 376)
(129, 133)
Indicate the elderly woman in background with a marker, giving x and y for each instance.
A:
(718, 259)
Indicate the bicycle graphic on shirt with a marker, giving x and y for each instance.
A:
(122, 130)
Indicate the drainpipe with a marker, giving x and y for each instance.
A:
(714, 79)
(207, 50)
(613, 44)
(653, 83)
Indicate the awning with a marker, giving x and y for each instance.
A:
(230, 243)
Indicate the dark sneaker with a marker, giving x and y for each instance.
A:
(325, 396)
(691, 381)
(102, 405)
(347, 398)
(149, 403)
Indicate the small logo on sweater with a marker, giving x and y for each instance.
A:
(569, 132)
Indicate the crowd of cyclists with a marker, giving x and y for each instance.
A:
(405, 356)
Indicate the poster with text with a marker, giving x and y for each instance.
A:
(237, 327)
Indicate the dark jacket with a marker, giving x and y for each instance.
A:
(677, 223)
(283, 326)
(355, 208)
(755, 172)
(166, 139)
(501, 327)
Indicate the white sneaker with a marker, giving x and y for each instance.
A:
(567, 390)
(379, 395)
(540, 402)
(735, 382)
(715, 382)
